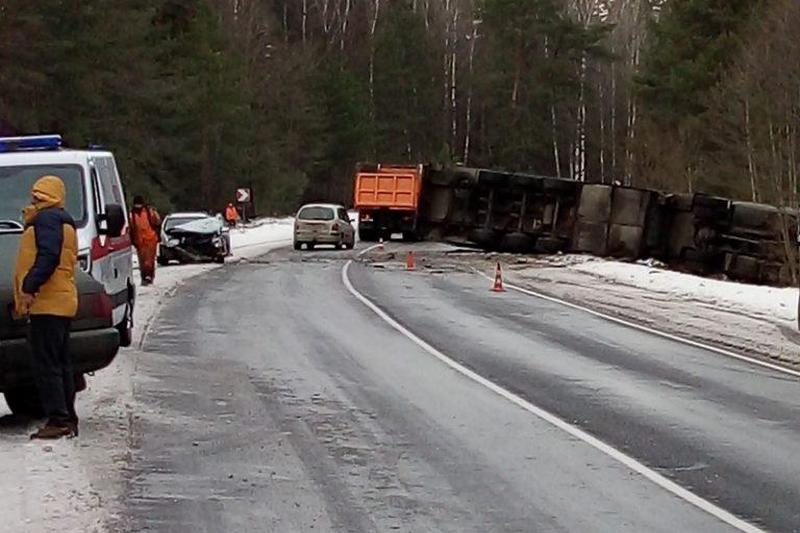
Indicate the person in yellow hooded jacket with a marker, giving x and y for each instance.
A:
(45, 291)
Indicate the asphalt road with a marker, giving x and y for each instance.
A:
(277, 401)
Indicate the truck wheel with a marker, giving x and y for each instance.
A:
(24, 401)
(517, 243)
(367, 235)
(485, 238)
(549, 245)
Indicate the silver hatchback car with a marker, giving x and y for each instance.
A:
(323, 224)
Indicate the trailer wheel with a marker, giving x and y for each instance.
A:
(485, 238)
(549, 245)
(517, 242)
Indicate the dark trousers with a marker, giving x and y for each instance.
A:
(48, 337)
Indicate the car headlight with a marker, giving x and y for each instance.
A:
(173, 242)
(217, 241)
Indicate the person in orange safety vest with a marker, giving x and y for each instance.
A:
(145, 223)
(231, 215)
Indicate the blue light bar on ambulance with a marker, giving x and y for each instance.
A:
(33, 142)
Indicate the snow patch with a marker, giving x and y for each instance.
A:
(758, 321)
(768, 302)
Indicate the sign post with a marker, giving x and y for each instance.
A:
(244, 197)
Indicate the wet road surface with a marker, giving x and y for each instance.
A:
(276, 401)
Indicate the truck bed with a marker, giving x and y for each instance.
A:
(384, 187)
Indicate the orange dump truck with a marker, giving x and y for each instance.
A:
(387, 199)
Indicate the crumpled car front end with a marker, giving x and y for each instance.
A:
(197, 241)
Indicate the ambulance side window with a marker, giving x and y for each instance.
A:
(108, 181)
(99, 207)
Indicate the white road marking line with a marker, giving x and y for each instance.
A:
(640, 327)
(365, 251)
(553, 420)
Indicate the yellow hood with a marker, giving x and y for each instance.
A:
(49, 191)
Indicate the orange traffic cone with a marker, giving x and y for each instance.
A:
(498, 280)
(411, 264)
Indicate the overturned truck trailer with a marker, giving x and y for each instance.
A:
(525, 213)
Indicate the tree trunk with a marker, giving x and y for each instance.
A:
(468, 117)
(373, 28)
(344, 24)
(553, 119)
(286, 22)
(453, 85)
(613, 119)
(602, 111)
(632, 117)
(446, 59)
(305, 20)
(751, 162)
(556, 152)
(579, 172)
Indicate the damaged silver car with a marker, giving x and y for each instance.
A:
(193, 238)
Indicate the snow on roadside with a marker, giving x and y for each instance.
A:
(254, 241)
(757, 320)
(76, 485)
(770, 303)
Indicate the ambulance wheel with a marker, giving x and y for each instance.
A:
(125, 327)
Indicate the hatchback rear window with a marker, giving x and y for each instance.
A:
(316, 213)
(16, 183)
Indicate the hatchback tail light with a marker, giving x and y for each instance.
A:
(99, 305)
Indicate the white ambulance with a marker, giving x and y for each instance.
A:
(96, 201)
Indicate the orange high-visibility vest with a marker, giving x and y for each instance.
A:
(144, 232)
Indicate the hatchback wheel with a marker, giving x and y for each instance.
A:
(24, 401)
